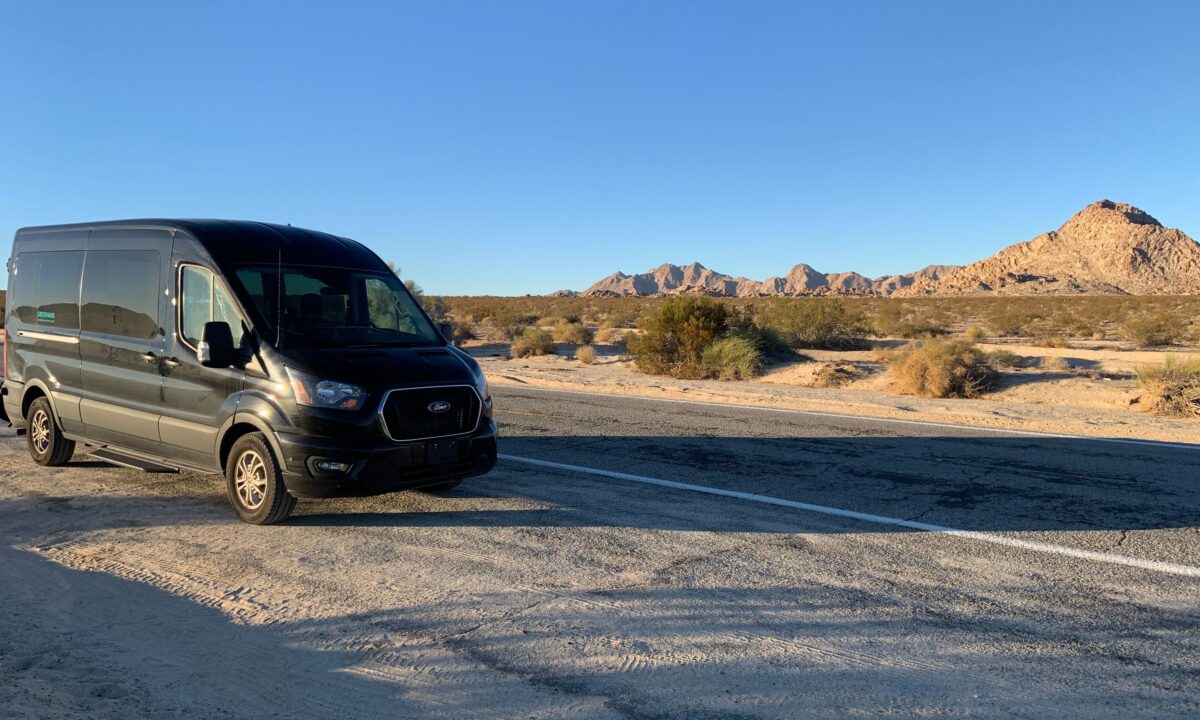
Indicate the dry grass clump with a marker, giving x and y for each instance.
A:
(1055, 364)
(608, 336)
(836, 374)
(1144, 330)
(1052, 342)
(1171, 389)
(1005, 359)
(942, 368)
(732, 358)
(586, 354)
(532, 341)
(976, 334)
(572, 332)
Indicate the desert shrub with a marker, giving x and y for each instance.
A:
(813, 323)
(732, 358)
(460, 332)
(1143, 330)
(888, 316)
(1054, 364)
(572, 332)
(512, 324)
(836, 374)
(976, 334)
(586, 354)
(608, 336)
(1053, 341)
(532, 341)
(1005, 359)
(942, 368)
(673, 338)
(918, 329)
(1171, 389)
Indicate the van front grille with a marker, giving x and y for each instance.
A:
(422, 413)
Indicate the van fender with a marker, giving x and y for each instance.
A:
(256, 411)
(40, 384)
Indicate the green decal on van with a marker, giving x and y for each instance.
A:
(45, 316)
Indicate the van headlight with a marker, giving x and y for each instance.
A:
(315, 392)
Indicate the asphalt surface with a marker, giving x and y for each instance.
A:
(543, 591)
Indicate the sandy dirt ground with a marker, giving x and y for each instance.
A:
(544, 593)
(1089, 390)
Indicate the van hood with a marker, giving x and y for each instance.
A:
(376, 369)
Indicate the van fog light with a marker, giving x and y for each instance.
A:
(332, 466)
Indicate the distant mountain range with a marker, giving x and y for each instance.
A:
(1106, 248)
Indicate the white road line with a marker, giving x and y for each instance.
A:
(1155, 565)
(846, 416)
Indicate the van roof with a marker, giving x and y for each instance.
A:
(241, 241)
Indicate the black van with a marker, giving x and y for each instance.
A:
(292, 361)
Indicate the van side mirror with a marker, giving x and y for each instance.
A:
(447, 331)
(216, 345)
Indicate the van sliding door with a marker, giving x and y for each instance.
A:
(121, 340)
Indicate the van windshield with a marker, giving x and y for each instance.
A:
(336, 307)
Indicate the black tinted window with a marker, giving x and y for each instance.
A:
(120, 292)
(47, 289)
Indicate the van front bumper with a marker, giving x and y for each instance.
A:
(382, 466)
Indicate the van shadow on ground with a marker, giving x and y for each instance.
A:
(971, 483)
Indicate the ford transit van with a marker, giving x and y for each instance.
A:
(292, 361)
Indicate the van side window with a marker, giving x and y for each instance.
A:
(120, 293)
(203, 300)
(47, 288)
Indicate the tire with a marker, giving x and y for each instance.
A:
(255, 483)
(442, 486)
(47, 446)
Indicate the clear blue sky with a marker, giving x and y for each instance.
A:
(521, 147)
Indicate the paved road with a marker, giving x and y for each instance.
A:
(548, 592)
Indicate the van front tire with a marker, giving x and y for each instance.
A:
(47, 446)
(255, 483)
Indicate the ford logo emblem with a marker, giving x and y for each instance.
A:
(438, 406)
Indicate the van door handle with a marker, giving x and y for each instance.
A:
(171, 362)
(149, 357)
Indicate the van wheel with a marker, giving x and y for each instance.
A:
(441, 487)
(46, 442)
(255, 483)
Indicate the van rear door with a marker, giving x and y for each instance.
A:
(121, 341)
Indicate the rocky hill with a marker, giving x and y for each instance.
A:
(695, 279)
(1106, 248)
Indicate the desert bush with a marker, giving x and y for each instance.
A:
(732, 358)
(1054, 364)
(460, 332)
(572, 332)
(608, 336)
(1143, 331)
(512, 324)
(918, 329)
(813, 323)
(586, 354)
(836, 374)
(1052, 342)
(532, 341)
(1172, 388)
(976, 334)
(942, 368)
(673, 338)
(1005, 359)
